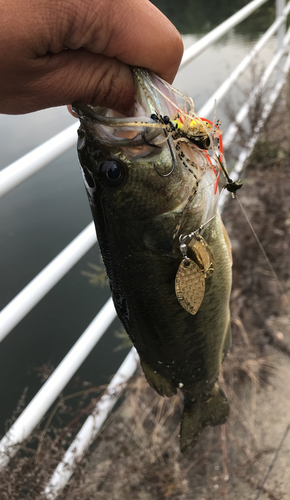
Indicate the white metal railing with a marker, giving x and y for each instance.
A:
(246, 152)
(197, 48)
(220, 93)
(22, 304)
(91, 426)
(30, 295)
(29, 164)
(39, 405)
(242, 114)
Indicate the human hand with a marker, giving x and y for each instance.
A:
(55, 52)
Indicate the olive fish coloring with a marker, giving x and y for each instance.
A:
(152, 184)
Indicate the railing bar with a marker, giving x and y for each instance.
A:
(286, 41)
(208, 107)
(198, 47)
(91, 427)
(280, 7)
(42, 401)
(35, 160)
(233, 128)
(22, 304)
(287, 63)
(246, 152)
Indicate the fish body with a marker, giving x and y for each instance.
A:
(140, 207)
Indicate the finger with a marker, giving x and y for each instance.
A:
(71, 76)
(69, 108)
(133, 31)
(137, 33)
(75, 50)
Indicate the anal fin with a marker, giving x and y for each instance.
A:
(163, 386)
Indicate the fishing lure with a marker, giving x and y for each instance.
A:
(186, 126)
(193, 270)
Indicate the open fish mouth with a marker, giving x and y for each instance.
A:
(121, 131)
(161, 113)
(164, 124)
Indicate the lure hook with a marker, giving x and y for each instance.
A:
(149, 143)
(173, 160)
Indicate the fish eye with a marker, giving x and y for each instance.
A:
(111, 172)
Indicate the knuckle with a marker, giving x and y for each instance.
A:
(113, 88)
(107, 87)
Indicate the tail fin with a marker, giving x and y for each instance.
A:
(198, 415)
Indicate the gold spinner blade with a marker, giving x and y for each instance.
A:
(200, 252)
(189, 285)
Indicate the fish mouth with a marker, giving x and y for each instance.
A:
(125, 132)
(141, 129)
(149, 132)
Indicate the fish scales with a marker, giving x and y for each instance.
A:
(137, 209)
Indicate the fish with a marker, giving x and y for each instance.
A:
(151, 181)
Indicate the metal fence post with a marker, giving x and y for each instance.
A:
(280, 5)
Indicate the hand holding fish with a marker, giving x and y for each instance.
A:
(58, 52)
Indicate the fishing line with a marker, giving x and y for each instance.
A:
(260, 245)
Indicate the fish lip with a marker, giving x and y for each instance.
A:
(89, 117)
(84, 111)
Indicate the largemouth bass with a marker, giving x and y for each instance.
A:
(152, 181)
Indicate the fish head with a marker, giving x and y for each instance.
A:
(138, 169)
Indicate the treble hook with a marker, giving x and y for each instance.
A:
(172, 156)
